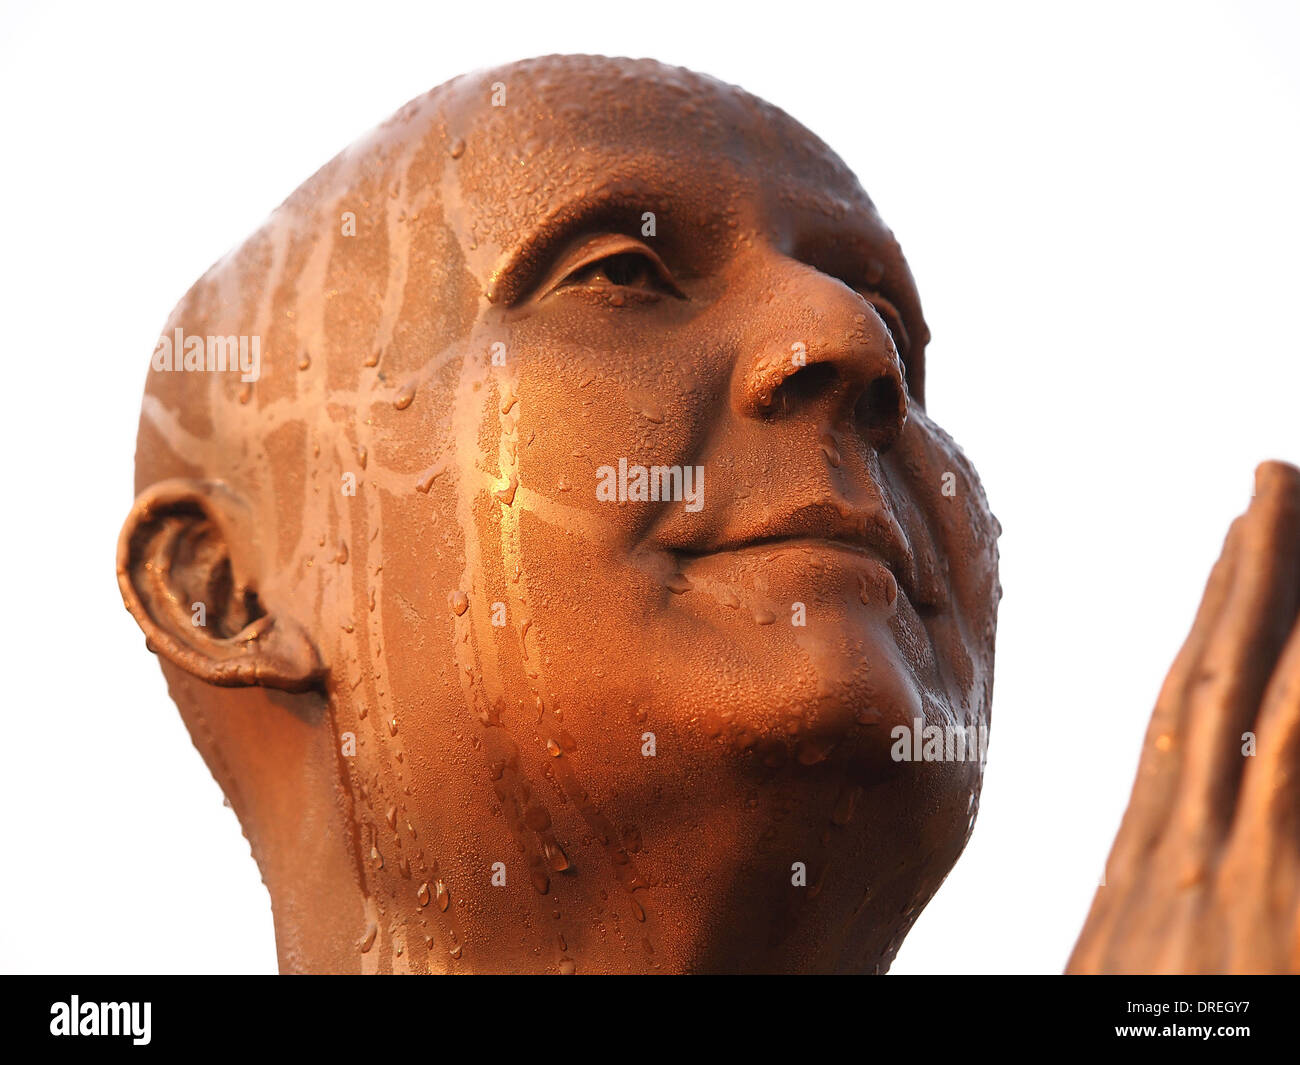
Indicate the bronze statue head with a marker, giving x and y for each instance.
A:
(551, 571)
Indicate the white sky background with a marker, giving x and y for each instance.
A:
(1101, 210)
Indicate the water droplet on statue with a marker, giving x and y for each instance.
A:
(556, 856)
(845, 804)
(812, 751)
(830, 450)
(507, 493)
(678, 583)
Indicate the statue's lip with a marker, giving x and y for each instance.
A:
(873, 533)
(778, 543)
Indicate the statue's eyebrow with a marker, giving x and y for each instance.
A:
(613, 208)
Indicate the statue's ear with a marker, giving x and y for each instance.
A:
(183, 563)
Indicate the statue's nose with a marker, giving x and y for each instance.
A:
(821, 349)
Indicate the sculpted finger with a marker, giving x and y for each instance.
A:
(1150, 803)
(1259, 880)
(1238, 662)
(1270, 799)
(1147, 817)
(1251, 568)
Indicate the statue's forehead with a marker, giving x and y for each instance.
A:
(527, 150)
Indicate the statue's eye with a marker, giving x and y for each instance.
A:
(613, 261)
(627, 270)
(892, 319)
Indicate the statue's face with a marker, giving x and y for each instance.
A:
(652, 548)
(670, 703)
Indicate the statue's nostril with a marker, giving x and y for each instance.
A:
(882, 411)
(804, 387)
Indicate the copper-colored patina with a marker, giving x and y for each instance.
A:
(547, 596)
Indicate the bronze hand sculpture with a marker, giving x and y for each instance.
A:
(1205, 873)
